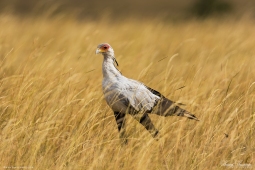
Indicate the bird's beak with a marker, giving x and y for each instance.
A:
(98, 50)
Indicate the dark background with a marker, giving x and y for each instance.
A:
(119, 9)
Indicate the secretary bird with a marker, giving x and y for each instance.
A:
(125, 95)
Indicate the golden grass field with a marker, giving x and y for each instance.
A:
(53, 114)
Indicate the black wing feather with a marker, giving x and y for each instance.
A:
(155, 92)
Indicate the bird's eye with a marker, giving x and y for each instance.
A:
(105, 47)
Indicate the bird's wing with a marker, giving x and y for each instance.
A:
(139, 96)
(155, 92)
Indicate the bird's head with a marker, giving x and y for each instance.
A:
(105, 49)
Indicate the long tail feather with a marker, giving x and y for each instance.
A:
(190, 116)
(167, 107)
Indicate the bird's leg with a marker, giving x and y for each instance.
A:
(147, 123)
(120, 120)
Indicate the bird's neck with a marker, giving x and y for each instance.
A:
(109, 69)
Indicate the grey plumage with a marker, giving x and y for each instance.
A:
(126, 95)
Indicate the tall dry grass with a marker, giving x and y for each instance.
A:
(53, 115)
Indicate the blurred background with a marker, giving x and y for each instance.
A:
(115, 9)
(196, 52)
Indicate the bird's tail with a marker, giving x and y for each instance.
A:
(177, 111)
(190, 116)
(167, 107)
